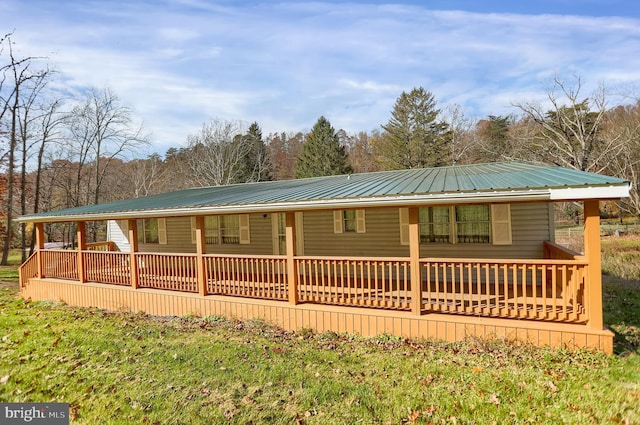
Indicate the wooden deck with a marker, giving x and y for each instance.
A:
(544, 301)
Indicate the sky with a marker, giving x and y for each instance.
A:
(283, 64)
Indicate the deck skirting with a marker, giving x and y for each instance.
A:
(321, 318)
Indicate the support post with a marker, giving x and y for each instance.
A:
(201, 275)
(133, 243)
(82, 245)
(292, 269)
(593, 255)
(414, 261)
(39, 248)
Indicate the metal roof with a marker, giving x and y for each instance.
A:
(493, 182)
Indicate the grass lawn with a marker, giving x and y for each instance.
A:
(123, 368)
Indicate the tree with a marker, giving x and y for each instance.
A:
(462, 140)
(322, 154)
(19, 87)
(284, 150)
(414, 137)
(102, 129)
(568, 134)
(493, 134)
(255, 165)
(218, 154)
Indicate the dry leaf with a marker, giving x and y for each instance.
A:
(4, 379)
(494, 399)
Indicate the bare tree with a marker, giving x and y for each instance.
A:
(567, 132)
(217, 153)
(19, 87)
(462, 135)
(101, 129)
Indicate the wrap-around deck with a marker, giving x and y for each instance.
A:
(551, 289)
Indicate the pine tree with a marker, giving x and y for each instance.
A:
(322, 154)
(413, 137)
(255, 165)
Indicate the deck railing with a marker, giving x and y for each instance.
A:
(107, 267)
(377, 282)
(176, 272)
(545, 289)
(523, 289)
(247, 276)
(28, 269)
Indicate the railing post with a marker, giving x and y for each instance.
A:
(201, 275)
(292, 269)
(592, 254)
(414, 261)
(82, 245)
(39, 248)
(133, 243)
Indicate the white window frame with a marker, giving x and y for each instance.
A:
(214, 230)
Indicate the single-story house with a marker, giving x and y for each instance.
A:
(446, 253)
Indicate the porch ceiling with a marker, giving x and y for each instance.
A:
(494, 182)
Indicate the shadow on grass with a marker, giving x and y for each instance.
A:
(621, 310)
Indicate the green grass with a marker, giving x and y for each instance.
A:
(122, 368)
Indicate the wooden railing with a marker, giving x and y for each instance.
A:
(102, 246)
(176, 272)
(524, 289)
(545, 289)
(107, 267)
(247, 276)
(28, 270)
(61, 264)
(557, 252)
(377, 282)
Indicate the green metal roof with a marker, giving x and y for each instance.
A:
(493, 182)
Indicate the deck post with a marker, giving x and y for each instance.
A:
(414, 261)
(201, 273)
(593, 254)
(39, 248)
(82, 245)
(292, 269)
(132, 226)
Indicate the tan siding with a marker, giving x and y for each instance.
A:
(529, 224)
(381, 239)
(179, 238)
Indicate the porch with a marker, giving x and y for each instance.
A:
(550, 289)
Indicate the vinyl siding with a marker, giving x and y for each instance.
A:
(530, 226)
(179, 238)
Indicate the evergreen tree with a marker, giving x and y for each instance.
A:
(413, 137)
(255, 165)
(322, 154)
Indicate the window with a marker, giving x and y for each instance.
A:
(347, 221)
(479, 223)
(223, 229)
(434, 224)
(230, 229)
(152, 230)
(280, 236)
(473, 224)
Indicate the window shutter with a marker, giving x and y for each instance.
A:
(162, 231)
(360, 221)
(245, 238)
(299, 233)
(275, 236)
(404, 226)
(337, 221)
(501, 224)
(193, 230)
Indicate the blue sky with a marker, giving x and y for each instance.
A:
(179, 63)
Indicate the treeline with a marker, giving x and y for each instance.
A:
(59, 150)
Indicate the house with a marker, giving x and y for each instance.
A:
(444, 253)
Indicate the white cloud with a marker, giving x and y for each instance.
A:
(182, 62)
